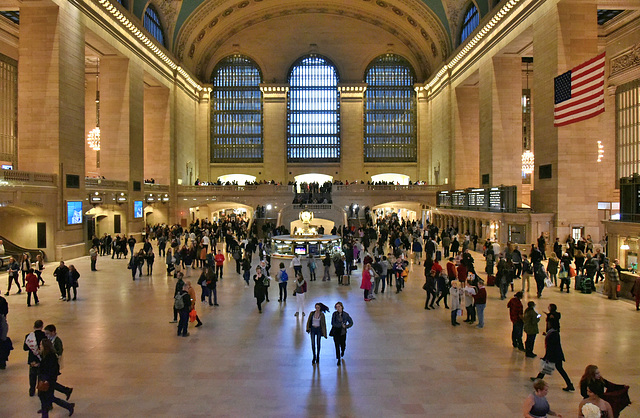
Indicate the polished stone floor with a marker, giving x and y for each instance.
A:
(123, 357)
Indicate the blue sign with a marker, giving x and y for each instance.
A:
(137, 209)
(74, 212)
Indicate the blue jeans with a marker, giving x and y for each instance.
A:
(316, 336)
(246, 275)
(480, 309)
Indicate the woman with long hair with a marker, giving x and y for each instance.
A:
(317, 327)
(48, 372)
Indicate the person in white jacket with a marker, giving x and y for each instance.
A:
(296, 265)
(455, 293)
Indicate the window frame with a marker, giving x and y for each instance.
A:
(248, 147)
(296, 144)
(467, 21)
(156, 20)
(401, 136)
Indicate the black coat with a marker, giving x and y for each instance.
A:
(554, 352)
(49, 368)
(259, 288)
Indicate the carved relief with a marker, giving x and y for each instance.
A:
(169, 9)
(626, 60)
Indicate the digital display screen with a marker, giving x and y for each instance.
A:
(74, 212)
(313, 249)
(300, 250)
(137, 209)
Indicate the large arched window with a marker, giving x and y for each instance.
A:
(313, 117)
(152, 23)
(236, 111)
(390, 110)
(470, 23)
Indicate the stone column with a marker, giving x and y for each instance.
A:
(352, 131)
(157, 134)
(203, 142)
(565, 37)
(466, 138)
(501, 121)
(274, 113)
(51, 91)
(425, 168)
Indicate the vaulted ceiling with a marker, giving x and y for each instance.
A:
(350, 32)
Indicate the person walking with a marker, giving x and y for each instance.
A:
(300, 290)
(469, 292)
(296, 264)
(32, 287)
(38, 266)
(536, 404)
(259, 287)
(13, 269)
(48, 371)
(340, 322)
(317, 327)
(93, 255)
(6, 345)
(32, 345)
(552, 268)
(516, 312)
(52, 334)
(282, 278)
(531, 319)
(430, 288)
(480, 301)
(25, 265)
(219, 259)
(246, 270)
(555, 355)
(311, 264)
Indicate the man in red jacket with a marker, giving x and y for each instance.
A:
(219, 258)
(516, 314)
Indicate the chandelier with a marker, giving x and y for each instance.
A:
(527, 162)
(93, 139)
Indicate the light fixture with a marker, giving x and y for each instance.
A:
(93, 139)
(624, 246)
(600, 151)
(528, 160)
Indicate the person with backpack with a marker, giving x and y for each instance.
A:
(182, 304)
(179, 287)
(282, 277)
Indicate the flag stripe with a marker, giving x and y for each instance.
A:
(577, 110)
(583, 96)
(577, 102)
(589, 115)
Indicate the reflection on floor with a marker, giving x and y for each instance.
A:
(123, 357)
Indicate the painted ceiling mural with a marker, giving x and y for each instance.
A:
(196, 29)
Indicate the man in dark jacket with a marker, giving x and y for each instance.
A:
(183, 324)
(32, 344)
(516, 313)
(61, 273)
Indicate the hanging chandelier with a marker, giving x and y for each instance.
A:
(527, 162)
(93, 138)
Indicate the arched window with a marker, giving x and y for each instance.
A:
(470, 23)
(390, 110)
(236, 111)
(313, 117)
(152, 23)
(124, 3)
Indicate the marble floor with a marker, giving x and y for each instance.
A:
(124, 359)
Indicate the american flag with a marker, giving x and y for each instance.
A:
(579, 93)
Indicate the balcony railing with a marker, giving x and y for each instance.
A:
(92, 183)
(27, 177)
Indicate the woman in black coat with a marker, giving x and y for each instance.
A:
(259, 288)
(554, 354)
(48, 372)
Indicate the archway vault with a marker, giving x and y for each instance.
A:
(263, 29)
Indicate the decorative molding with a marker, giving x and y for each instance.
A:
(626, 60)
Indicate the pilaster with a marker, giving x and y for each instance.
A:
(352, 131)
(274, 131)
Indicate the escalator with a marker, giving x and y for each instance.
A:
(11, 249)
